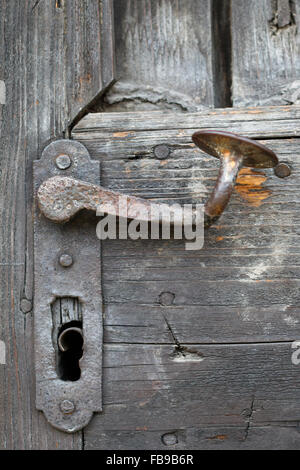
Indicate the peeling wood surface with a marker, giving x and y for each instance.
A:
(186, 55)
(250, 186)
(263, 122)
(51, 64)
(198, 344)
(265, 52)
(164, 55)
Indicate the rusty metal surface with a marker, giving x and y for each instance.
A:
(68, 405)
(60, 197)
(234, 151)
(221, 143)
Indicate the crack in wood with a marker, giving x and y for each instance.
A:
(284, 17)
(182, 353)
(35, 4)
(249, 418)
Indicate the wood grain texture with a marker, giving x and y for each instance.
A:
(112, 128)
(198, 344)
(164, 55)
(202, 437)
(265, 52)
(51, 63)
(229, 394)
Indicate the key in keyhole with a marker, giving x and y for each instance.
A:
(70, 350)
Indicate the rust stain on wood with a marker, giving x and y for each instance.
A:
(85, 78)
(249, 186)
(220, 437)
(84, 81)
(121, 134)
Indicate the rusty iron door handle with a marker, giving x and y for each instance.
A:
(61, 197)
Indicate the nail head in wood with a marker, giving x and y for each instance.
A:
(166, 298)
(26, 305)
(162, 151)
(283, 170)
(169, 439)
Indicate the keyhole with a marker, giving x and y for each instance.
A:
(70, 350)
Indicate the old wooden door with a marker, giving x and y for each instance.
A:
(198, 345)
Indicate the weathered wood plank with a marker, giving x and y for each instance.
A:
(164, 55)
(249, 258)
(87, 53)
(51, 63)
(204, 438)
(241, 291)
(265, 52)
(191, 324)
(154, 390)
(262, 123)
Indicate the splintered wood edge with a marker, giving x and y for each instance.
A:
(271, 121)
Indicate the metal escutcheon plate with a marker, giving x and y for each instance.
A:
(67, 293)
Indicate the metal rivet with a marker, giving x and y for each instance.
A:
(282, 170)
(26, 305)
(162, 151)
(67, 407)
(63, 162)
(66, 260)
(166, 298)
(169, 439)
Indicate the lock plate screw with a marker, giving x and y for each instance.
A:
(63, 162)
(67, 407)
(66, 260)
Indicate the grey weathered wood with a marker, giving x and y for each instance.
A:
(113, 128)
(212, 328)
(265, 52)
(250, 390)
(164, 51)
(54, 72)
(53, 59)
(201, 437)
(140, 323)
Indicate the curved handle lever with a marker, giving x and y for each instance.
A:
(60, 198)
